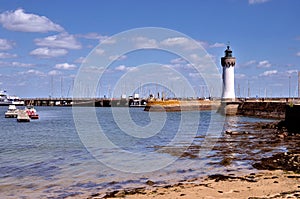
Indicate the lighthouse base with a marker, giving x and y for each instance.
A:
(229, 108)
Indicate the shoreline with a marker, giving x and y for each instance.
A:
(276, 176)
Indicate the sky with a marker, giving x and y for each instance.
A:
(44, 43)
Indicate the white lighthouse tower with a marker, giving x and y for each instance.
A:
(228, 63)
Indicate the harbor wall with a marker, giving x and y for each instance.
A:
(292, 117)
(269, 109)
(274, 110)
(181, 105)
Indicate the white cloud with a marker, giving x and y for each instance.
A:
(257, 1)
(121, 68)
(144, 42)
(107, 40)
(292, 71)
(92, 35)
(268, 73)
(65, 66)
(7, 55)
(217, 45)
(99, 51)
(184, 42)
(258, 64)
(16, 64)
(174, 41)
(63, 40)
(298, 54)
(124, 68)
(249, 63)
(5, 44)
(18, 20)
(202, 60)
(19, 64)
(264, 64)
(117, 57)
(48, 52)
(204, 44)
(181, 41)
(93, 68)
(32, 72)
(54, 72)
(178, 61)
(80, 60)
(195, 58)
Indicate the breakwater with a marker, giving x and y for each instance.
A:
(272, 108)
(97, 102)
(181, 105)
(275, 110)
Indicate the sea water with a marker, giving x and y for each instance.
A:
(91, 150)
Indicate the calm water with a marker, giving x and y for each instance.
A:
(48, 158)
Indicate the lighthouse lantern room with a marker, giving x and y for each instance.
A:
(228, 63)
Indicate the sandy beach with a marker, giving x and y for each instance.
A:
(264, 184)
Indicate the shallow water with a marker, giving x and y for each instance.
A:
(54, 158)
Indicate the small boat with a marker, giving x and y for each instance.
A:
(31, 112)
(136, 101)
(6, 99)
(12, 112)
(23, 116)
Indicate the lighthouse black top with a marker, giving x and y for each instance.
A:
(228, 60)
(228, 52)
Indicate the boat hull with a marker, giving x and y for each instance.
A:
(12, 115)
(9, 103)
(23, 120)
(23, 117)
(34, 117)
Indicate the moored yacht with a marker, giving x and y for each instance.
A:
(5, 99)
(12, 112)
(31, 112)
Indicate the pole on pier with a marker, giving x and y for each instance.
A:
(299, 84)
(248, 89)
(289, 86)
(61, 87)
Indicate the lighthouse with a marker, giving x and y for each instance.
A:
(228, 63)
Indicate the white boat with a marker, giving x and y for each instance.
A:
(5, 99)
(31, 112)
(136, 101)
(15, 100)
(12, 112)
(23, 116)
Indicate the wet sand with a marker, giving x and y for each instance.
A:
(273, 155)
(266, 184)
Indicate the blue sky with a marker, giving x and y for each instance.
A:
(43, 43)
